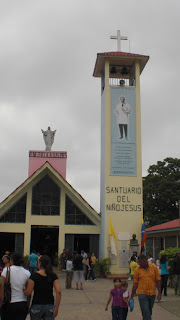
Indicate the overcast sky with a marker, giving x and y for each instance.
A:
(48, 51)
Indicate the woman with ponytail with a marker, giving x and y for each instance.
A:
(42, 282)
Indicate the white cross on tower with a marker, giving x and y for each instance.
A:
(118, 38)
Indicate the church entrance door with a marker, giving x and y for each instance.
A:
(87, 242)
(81, 242)
(44, 239)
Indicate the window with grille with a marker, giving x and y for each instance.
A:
(74, 215)
(17, 213)
(46, 198)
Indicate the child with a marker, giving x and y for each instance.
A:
(116, 294)
(125, 299)
(133, 266)
(69, 272)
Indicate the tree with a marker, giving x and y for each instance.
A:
(161, 192)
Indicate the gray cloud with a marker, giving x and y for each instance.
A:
(48, 53)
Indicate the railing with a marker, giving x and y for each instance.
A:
(116, 82)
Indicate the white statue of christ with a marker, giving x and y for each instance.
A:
(48, 136)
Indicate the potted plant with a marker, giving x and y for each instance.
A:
(102, 267)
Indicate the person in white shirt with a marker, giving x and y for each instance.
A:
(84, 255)
(122, 112)
(69, 272)
(150, 258)
(18, 307)
(125, 299)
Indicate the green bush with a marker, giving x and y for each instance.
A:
(171, 253)
(103, 266)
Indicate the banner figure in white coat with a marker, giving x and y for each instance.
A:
(122, 112)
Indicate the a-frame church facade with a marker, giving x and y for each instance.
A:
(47, 214)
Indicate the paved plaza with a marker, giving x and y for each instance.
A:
(90, 303)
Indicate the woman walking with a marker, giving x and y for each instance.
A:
(6, 261)
(78, 270)
(42, 282)
(164, 273)
(88, 268)
(92, 263)
(17, 309)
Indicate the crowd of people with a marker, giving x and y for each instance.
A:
(39, 279)
(80, 265)
(163, 269)
(147, 276)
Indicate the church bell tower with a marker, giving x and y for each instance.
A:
(121, 170)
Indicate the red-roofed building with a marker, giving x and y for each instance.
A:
(163, 236)
(118, 59)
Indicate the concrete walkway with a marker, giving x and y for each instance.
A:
(90, 303)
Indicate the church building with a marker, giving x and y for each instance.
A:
(46, 213)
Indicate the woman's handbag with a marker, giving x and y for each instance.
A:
(7, 287)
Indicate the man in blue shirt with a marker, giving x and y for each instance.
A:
(32, 261)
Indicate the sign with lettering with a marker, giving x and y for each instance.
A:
(47, 154)
(123, 199)
(123, 131)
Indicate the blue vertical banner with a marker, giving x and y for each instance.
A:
(123, 131)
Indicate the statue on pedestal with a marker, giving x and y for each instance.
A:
(134, 246)
(48, 136)
(133, 241)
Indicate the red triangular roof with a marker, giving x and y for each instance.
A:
(167, 225)
(59, 175)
